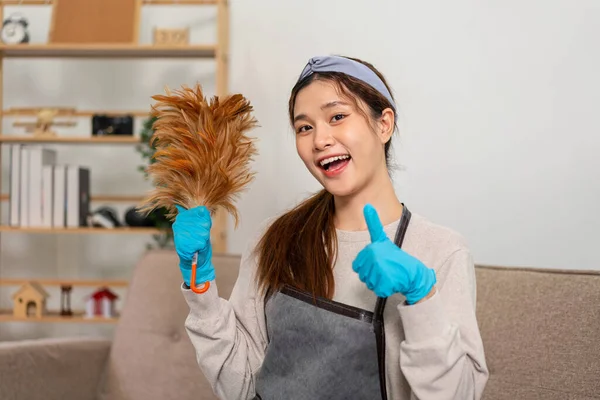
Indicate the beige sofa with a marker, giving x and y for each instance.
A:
(541, 331)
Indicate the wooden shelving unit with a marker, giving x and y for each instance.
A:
(101, 198)
(82, 230)
(60, 282)
(70, 139)
(17, 112)
(217, 51)
(106, 51)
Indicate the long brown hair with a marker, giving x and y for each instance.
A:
(299, 247)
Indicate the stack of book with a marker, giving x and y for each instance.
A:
(45, 193)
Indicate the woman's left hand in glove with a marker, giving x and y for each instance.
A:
(387, 269)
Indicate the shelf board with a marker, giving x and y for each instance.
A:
(71, 139)
(106, 51)
(61, 282)
(100, 199)
(32, 112)
(144, 2)
(81, 230)
(78, 316)
(116, 199)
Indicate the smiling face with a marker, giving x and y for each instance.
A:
(339, 142)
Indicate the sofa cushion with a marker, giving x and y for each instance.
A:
(541, 332)
(52, 368)
(152, 328)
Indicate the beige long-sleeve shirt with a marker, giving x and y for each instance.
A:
(433, 349)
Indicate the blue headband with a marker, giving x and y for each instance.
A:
(348, 67)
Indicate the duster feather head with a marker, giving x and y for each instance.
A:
(202, 152)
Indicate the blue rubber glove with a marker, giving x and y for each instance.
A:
(387, 269)
(191, 235)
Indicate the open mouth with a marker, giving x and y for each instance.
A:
(335, 163)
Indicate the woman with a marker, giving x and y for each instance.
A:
(348, 295)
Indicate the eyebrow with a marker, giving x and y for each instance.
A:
(333, 104)
(325, 106)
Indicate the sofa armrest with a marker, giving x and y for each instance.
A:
(65, 368)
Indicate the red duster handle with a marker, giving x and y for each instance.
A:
(197, 289)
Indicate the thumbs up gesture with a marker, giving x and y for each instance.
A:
(387, 269)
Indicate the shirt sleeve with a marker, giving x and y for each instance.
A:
(229, 336)
(442, 356)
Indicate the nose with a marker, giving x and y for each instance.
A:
(323, 138)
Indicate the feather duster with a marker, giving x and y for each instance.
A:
(202, 152)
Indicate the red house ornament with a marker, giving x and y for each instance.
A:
(101, 303)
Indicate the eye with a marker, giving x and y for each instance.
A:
(338, 117)
(303, 128)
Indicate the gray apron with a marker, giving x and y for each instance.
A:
(323, 349)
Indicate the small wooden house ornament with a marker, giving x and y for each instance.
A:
(30, 301)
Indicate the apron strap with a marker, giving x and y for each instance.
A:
(380, 306)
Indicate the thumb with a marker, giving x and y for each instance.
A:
(179, 208)
(374, 224)
(202, 212)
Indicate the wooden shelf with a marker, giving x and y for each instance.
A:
(61, 282)
(78, 317)
(71, 139)
(30, 112)
(100, 199)
(144, 2)
(82, 230)
(117, 199)
(106, 51)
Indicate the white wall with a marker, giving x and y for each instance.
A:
(498, 126)
(498, 112)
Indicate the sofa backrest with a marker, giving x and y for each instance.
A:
(151, 328)
(540, 328)
(541, 332)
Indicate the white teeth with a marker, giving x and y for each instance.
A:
(332, 159)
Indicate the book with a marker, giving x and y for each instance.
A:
(39, 157)
(14, 194)
(59, 196)
(48, 196)
(78, 196)
(24, 188)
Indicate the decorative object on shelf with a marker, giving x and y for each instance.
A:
(15, 29)
(65, 300)
(101, 303)
(202, 154)
(111, 22)
(171, 37)
(103, 217)
(45, 119)
(105, 125)
(29, 301)
(156, 218)
(146, 148)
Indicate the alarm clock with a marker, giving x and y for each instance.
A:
(14, 29)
